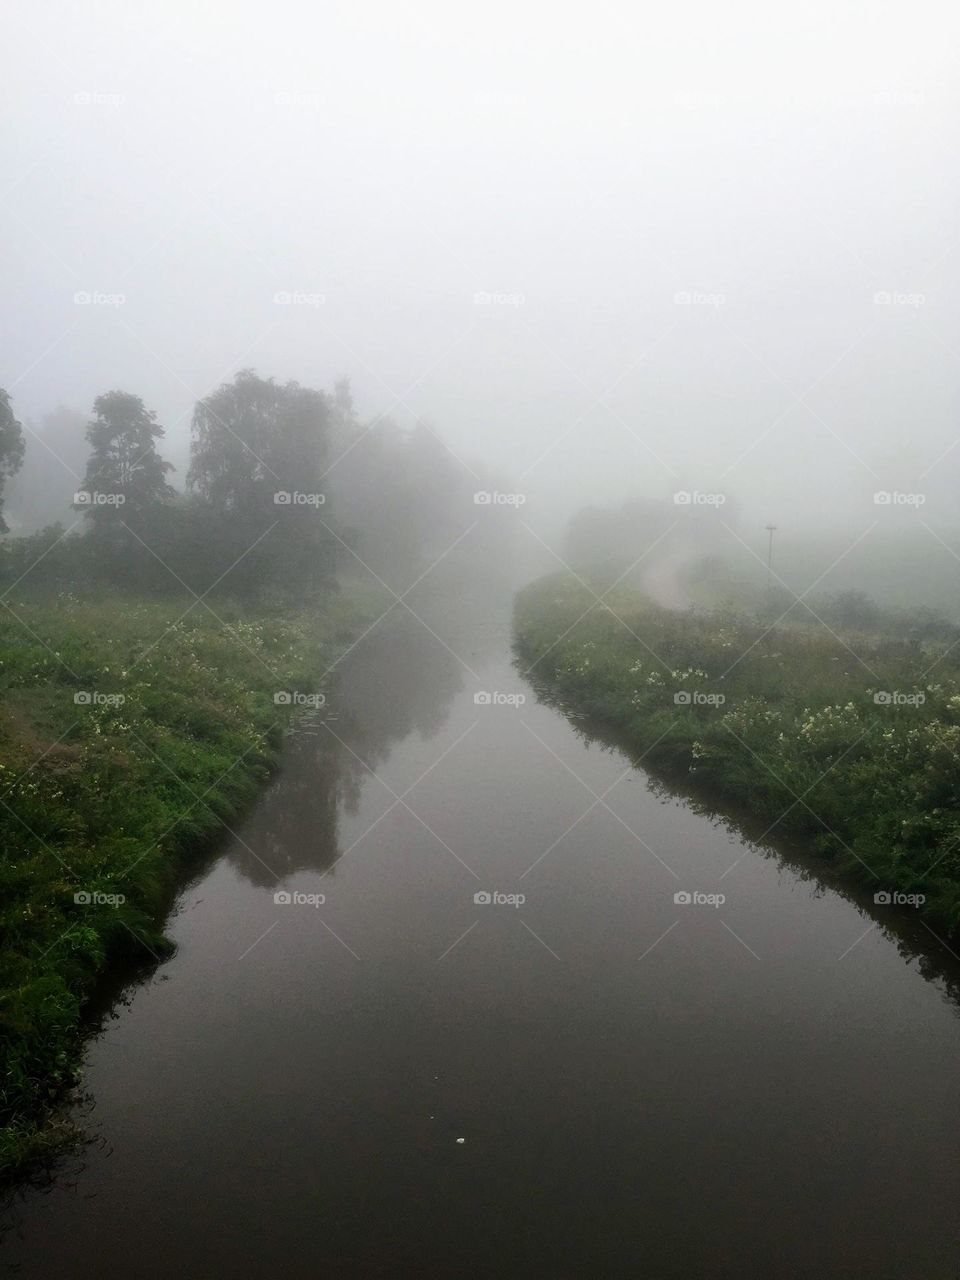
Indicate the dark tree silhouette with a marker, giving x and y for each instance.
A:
(11, 448)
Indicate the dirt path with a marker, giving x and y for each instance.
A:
(661, 581)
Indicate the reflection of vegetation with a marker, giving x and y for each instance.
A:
(109, 797)
(799, 737)
(399, 680)
(294, 824)
(913, 943)
(174, 730)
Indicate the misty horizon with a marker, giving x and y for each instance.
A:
(621, 269)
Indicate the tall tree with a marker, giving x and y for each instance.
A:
(254, 437)
(123, 435)
(257, 461)
(11, 448)
(126, 492)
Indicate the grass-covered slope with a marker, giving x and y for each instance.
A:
(852, 740)
(128, 733)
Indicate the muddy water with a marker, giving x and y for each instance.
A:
(402, 1081)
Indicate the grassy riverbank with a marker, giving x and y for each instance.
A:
(130, 730)
(851, 739)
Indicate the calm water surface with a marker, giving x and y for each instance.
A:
(598, 1082)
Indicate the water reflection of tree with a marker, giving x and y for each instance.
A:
(913, 941)
(399, 680)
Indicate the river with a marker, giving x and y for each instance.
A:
(399, 1080)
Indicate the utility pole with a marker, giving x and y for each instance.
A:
(771, 529)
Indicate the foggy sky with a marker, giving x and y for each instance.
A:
(782, 165)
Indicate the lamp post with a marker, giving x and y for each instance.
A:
(771, 529)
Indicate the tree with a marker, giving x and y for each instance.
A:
(258, 457)
(124, 460)
(11, 448)
(233, 429)
(125, 489)
(254, 438)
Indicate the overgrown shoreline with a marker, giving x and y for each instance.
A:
(849, 740)
(131, 730)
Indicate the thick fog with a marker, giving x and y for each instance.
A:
(610, 251)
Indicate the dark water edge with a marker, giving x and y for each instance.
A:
(936, 958)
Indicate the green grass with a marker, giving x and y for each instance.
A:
(799, 736)
(112, 795)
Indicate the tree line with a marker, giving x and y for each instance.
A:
(286, 489)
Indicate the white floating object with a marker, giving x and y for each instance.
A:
(461, 1139)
